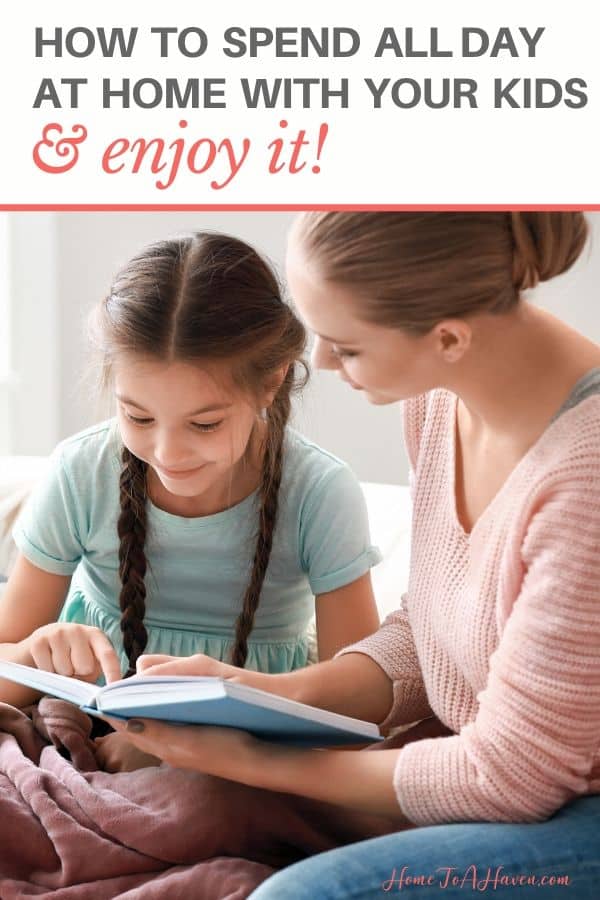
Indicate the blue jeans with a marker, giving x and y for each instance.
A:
(457, 860)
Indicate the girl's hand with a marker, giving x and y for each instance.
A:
(224, 752)
(79, 651)
(115, 753)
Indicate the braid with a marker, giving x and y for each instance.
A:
(131, 529)
(272, 467)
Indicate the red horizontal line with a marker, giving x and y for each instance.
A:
(296, 207)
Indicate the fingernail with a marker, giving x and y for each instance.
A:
(135, 725)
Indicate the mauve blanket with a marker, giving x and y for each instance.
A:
(76, 833)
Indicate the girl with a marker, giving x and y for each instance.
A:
(497, 642)
(197, 521)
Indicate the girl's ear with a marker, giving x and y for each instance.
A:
(273, 384)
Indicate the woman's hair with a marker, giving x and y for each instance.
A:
(193, 299)
(411, 270)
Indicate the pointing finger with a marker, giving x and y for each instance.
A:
(106, 656)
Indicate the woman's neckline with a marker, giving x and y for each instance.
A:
(564, 408)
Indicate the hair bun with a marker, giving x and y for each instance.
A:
(545, 244)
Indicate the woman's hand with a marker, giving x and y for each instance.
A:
(115, 753)
(199, 664)
(353, 685)
(79, 651)
(281, 684)
(358, 780)
(225, 752)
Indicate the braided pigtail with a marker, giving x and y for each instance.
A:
(131, 529)
(277, 417)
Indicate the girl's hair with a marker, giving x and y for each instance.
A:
(411, 270)
(194, 299)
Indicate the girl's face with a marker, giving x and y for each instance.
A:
(184, 422)
(388, 364)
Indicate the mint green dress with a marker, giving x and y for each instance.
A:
(198, 568)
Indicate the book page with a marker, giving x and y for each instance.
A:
(50, 683)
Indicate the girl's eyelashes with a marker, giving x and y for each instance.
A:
(211, 426)
(137, 420)
(199, 426)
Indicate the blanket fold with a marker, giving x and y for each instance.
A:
(74, 832)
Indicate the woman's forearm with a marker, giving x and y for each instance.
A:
(353, 685)
(357, 780)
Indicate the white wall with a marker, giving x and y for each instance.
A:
(63, 262)
(32, 392)
(575, 296)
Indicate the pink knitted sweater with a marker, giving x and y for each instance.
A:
(499, 632)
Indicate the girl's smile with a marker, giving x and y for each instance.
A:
(179, 473)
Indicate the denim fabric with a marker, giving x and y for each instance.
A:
(480, 855)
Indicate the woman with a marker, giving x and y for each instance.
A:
(497, 644)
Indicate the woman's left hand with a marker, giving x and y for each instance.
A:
(361, 781)
(224, 752)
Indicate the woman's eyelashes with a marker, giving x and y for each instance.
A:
(199, 426)
(340, 353)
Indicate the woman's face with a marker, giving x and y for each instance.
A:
(388, 364)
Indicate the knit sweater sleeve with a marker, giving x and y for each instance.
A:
(393, 646)
(532, 745)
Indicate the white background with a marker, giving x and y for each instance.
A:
(392, 156)
(62, 263)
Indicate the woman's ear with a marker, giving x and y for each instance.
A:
(452, 338)
(273, 384)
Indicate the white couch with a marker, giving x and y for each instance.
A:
(388, 505)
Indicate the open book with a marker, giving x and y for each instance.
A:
(201, 701)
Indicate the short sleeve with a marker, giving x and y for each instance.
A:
(335, 543)
(50, 531)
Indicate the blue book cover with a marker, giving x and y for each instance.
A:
(202, 701)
